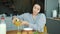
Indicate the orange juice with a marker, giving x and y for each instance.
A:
(17, 22)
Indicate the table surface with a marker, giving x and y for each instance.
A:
(12, 32)
(15, 32)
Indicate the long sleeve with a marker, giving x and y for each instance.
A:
(24, 17)
(21, 17)
(40, 23)
(34, 26)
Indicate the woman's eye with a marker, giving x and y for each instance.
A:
(37, 9)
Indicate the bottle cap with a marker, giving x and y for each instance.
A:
(2, 17)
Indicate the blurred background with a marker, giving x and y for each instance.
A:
(17, 7)
(20, 6)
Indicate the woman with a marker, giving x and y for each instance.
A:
(33, 20)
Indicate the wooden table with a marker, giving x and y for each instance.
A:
(22, 32)
(12, 32)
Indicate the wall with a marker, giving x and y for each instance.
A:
(22, 4)
(59, 6)
(59, 1)
(49, 6)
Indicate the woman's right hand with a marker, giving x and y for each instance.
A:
(14, 19)
(23, 22)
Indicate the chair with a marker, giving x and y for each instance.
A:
(45, 31)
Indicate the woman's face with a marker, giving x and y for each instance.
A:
(36, 8)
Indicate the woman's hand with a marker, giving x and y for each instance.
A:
(25, 23)
(14, 19)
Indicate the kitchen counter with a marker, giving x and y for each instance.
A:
(54, 18)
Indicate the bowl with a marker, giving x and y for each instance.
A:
(28, 29)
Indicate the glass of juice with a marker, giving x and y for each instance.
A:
(18, 22)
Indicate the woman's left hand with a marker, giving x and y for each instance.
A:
(25, 23)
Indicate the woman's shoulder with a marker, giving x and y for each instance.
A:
(42, 15)
(25, 14)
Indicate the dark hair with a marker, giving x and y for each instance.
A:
(39, 3)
